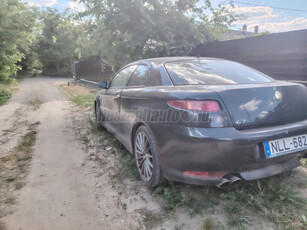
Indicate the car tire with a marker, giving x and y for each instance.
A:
(98, 117)
(147, 157)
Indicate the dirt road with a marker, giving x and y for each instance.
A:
(57, 196)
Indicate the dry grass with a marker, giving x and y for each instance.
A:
(36, 103)
(13, 170)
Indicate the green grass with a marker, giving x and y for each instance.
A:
(175, 196)
(6, 91)
(84, 100)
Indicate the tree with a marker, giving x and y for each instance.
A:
(125, 30)
(17, 22)
(57, 42)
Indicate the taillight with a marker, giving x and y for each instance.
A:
(203, 106)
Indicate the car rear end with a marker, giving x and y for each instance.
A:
(235, 123)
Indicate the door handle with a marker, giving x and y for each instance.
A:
(117, 96)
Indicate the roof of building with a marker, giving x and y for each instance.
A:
(237, 34)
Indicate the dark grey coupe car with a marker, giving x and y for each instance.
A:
(204, 120)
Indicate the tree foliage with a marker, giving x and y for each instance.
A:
(17, 23)
(56, 44)
(125, 30)
(118, 32)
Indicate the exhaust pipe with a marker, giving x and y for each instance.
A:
(223, 183)
(234, 180)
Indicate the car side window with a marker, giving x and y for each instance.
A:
(140, 77)
(121, 79)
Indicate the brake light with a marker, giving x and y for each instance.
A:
(203, 106)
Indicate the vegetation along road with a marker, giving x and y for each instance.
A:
(59, 172)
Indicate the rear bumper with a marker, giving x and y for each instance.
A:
(228, 150)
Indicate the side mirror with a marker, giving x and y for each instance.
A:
(102, 84)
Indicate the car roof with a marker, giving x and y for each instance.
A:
(161, 60)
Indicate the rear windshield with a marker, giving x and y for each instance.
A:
(213, 72)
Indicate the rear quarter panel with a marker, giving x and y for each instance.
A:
(149, 105)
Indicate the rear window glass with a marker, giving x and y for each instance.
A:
(213, 72)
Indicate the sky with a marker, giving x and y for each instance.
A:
(270, 15)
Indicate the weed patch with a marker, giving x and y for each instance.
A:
(207, 225)
(269, 198)
(180, 196)
(36, 103)
(150, 219)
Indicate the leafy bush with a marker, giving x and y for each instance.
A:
(17, 22)
(5, 95)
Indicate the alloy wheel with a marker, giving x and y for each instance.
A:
(143, 156)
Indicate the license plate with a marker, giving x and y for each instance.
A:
(284, 146)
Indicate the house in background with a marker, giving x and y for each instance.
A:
(238, 34)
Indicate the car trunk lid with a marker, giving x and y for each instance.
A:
(268, 104)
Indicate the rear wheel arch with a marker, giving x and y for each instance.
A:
(135, 128)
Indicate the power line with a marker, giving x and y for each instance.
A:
(273, 7)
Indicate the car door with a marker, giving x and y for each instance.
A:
(111, 100)
(133, 99)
